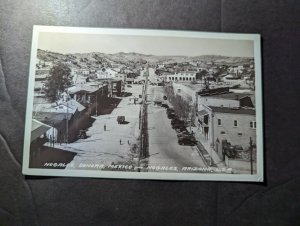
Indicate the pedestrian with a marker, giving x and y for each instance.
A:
(128, 142)
(120, 141)
(104, 127)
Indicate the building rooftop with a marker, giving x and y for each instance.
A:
(50, 118)
(60, 107)
(244, 111)
(73, 104)
(230, 95)
(90, 88)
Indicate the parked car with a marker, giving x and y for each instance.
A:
(165, 106)
(180, 135)
(186, 141)
(182, 130)
(171, 115)
(177, 123)
(170, 110)
(157, 102)
(82, 134)
(129, 86)
(165, 97)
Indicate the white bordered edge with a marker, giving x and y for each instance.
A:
(258, 177)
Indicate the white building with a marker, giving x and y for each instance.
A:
(223, 126)
(226, 119)
(122, 77)
(183, 76)
(106, 73)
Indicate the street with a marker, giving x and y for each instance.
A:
(111, 143)
(164, 149)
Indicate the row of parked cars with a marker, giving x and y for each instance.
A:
(184, 136)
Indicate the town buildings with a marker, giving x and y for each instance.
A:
(227, 121)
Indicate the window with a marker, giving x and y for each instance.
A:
(235, 123)
(219, 122)
(253, 124)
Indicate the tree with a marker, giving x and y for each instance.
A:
(202, 74)
(58, 81)
(183, 107)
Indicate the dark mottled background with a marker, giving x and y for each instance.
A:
(82, 201)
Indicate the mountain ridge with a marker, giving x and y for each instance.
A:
(133, 57)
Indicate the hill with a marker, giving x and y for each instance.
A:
(137, 58)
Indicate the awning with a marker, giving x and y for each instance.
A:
(202, 113)
(37, 129)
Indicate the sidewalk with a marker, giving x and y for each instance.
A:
(208, 153)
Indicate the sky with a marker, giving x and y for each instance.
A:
(84, 43)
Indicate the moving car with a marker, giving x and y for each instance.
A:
(121, 119)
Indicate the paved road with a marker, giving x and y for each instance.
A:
(164, 149)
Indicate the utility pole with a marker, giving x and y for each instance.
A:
(67, 118)
(212, 137)
(251, 152)
(53, 134)
(96, 103)
(143, 117)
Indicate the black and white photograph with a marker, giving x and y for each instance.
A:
(144, 104)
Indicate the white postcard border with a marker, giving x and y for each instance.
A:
(258, 177)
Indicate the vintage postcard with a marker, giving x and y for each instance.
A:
(144, 104)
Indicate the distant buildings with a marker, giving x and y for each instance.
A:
(40, 79)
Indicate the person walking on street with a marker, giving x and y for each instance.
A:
(120, 141)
